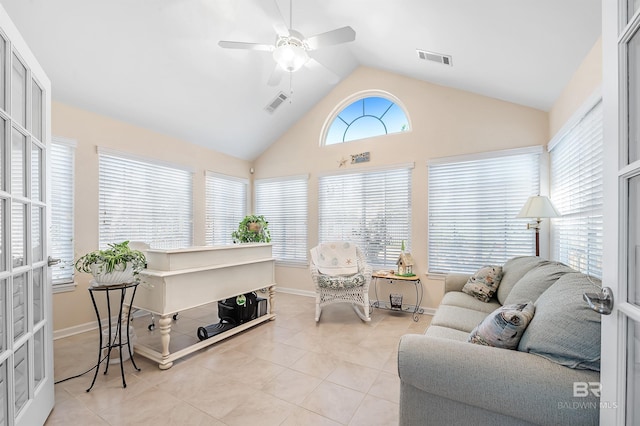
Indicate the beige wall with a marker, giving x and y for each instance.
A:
(89, 130)
(585, 81)
(444, 122)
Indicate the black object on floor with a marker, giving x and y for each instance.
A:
(213, 329)
(238, 310)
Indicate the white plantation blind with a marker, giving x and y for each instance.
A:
(62, 195)
(283, 203)
(472, 208)
(144, 201)
(576, 191)
(226, 206)
(372, 209)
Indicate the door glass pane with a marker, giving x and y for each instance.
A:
(3, 154)
(21, 378)
(3, 50)
(632, 7)
(4, 394)
(37, 220)
(18, 163)
(38, 356)
(633, 292)
(38, 296)
(36, 110)
(18, 231)
(3, 317)
(634, 97)
(19, 305)
(3, 245)
(18, 91)
(633, 373)
(36, 170)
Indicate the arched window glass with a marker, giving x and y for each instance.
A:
(366, 118)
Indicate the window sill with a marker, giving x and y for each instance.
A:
(64, 288)
(289, 264)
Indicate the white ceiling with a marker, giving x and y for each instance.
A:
(156, 63)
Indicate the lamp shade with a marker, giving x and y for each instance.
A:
(290, 57)
(538, 206)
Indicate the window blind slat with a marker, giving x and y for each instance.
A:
(62, 220)
(226, 206)
(472, 210)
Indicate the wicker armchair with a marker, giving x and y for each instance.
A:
(352, 289)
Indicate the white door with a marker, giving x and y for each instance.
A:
(620, 376)
(26, 343)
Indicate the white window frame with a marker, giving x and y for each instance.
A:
(341, 214)
(283, 201)
(63, 214)
(225, 207)
(576, 167)
(455, 228)
(174, 214)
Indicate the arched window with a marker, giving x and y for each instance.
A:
(370, 114)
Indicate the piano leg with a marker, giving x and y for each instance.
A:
(272, 299)
(165, 331)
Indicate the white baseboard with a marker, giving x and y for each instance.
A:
(76, 329)
(305, 293)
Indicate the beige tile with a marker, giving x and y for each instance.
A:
(223, 397)
(353, 376)
(142, 409)
(256, 373)
(333, 401)
(105, 395)
(259, 409)
(184, 414)
(315, 364)
(375, 411)
(386, 386)
(70, 412)
(303, 417)
(291, 386)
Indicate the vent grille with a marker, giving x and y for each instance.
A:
(435, 57)
(273, 105)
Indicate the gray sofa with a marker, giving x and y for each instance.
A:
(447, 381)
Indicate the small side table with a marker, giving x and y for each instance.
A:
(115, 330)
(391, 279)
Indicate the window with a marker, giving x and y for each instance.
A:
(366, 117)
(144, 201)
(226, 206)
(283, 202)
(372, 209)
(473, 202)
(62, 198)
(576, 191)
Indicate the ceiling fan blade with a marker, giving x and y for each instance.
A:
(272, 10)
(276, 76)
(340, 35)
(332, 77)
(244, 45)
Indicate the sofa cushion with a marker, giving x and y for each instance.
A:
(458, 318)
(328, 281)
(484, 282)
(504, 327)
(536, 281)
(446, 333)
(512, 271)
(565, 330)
(463, 300)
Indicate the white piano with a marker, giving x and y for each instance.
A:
(179, 279)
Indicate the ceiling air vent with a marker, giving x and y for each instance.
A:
(434, 57)
(273, 105)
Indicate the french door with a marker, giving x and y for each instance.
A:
(26, 344)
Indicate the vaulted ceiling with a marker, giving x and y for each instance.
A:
(157, 64)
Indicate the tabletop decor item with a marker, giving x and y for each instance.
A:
(118, 264)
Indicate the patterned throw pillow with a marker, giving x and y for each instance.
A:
(484, 283)
(340, 282)
(504, 327)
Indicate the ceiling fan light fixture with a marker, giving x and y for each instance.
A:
(290, 57)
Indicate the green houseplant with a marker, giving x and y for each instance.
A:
(252, 229)
(114, 265)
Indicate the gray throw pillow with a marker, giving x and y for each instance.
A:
(484, 283)
(565, 330)
(504, 327)
(536, 281)
(514, 269)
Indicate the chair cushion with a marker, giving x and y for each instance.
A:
(340, 282)
(512, 271)
(565, 330)
(484, 283)
(504, 327)
(536, 281)
(458, 318)
(457, 298)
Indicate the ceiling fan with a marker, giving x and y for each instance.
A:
(291, 49)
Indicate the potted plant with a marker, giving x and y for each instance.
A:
(114, 265)
(252, 229)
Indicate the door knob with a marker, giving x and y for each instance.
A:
(52, 261)
(600, 302)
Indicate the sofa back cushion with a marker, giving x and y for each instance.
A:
(536, 281)
(512, 271)
(564, 329)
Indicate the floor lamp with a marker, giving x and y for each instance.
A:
(538, 207)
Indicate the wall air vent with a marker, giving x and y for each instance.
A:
(435, 57)
(274, 104)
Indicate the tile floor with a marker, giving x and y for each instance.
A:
(290, 371)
